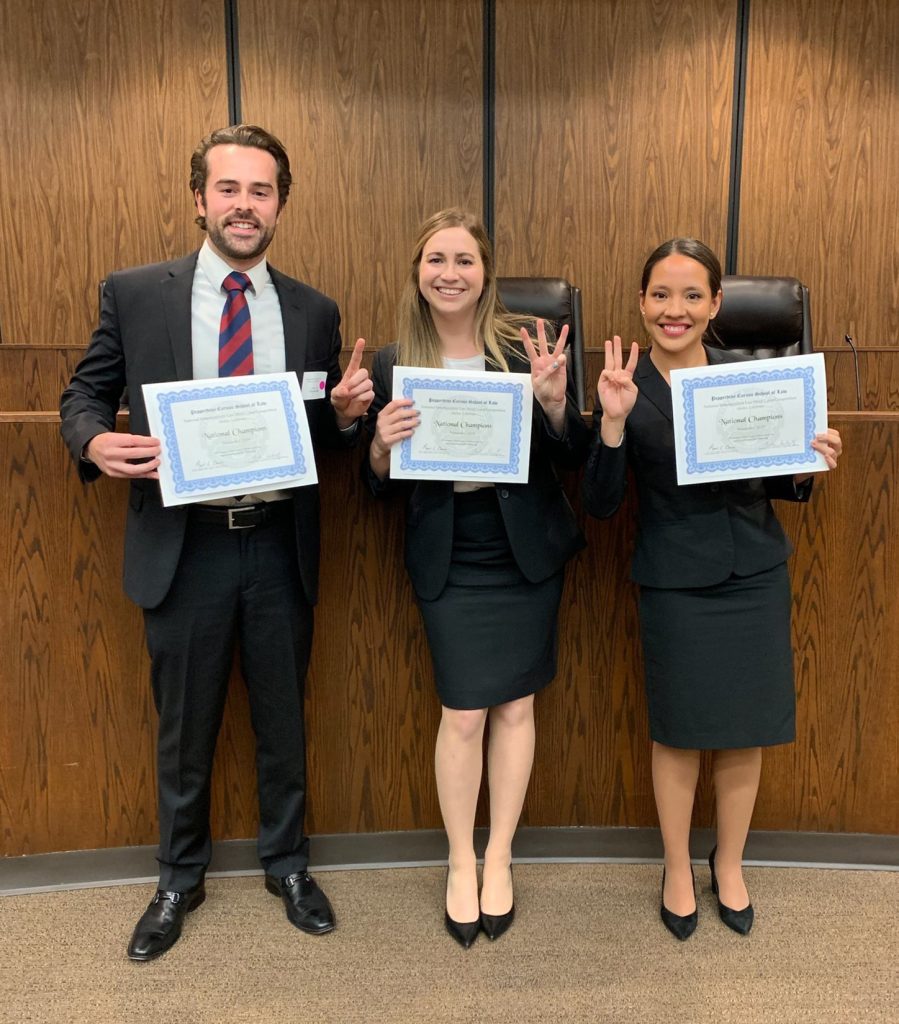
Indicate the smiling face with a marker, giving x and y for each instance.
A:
(451, 274)
(240, 203)
(677, 305)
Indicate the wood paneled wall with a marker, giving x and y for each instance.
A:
(78, 730)
(821, 160)
(613, 134)
(101, 104)
(379, 107)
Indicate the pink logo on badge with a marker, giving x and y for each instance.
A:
(321, 385)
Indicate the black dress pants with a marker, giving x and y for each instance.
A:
(231, 587)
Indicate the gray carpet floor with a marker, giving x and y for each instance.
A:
(587, 945)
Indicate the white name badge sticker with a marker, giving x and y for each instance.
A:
(314, 385)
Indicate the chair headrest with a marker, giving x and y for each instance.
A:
(547, 297)
(760, 313)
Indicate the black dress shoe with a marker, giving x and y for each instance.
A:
(681, 927)
(739, 921)
(307, 906)
(495, 925)
(160, 925)
(464, 932)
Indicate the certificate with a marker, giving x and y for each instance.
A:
(474, 425)
(756, 418)
(229, 436)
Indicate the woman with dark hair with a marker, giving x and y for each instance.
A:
(486, 561)
(715, 596)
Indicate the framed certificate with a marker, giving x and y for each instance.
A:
(227, 436)
(748, 419)
(475, 425)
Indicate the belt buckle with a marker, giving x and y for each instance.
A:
(232, 522)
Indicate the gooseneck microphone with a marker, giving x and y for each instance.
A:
(858, 387)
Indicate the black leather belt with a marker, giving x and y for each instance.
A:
(240, 517)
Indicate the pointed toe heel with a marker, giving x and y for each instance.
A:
(681, 927)
(739, 921)
(494, 925)
(464, 932)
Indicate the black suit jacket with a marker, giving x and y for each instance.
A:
(541, 526)
(144, 337)
(688, 536)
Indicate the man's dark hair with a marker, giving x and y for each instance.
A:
(239, 135)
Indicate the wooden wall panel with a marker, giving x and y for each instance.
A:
(78, 731)
(32, 377)
(613, 134)
(878, 372)
(821, 158)
(101, 104)
(379, 107)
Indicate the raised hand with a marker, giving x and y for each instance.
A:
(353, 395)
(549, 377)
(115, 454)
(615, 388)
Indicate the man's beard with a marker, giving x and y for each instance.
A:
(248, 251)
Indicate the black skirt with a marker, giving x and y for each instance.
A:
(719, 663)
(492, 634)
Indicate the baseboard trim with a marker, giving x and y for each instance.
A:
(79, 869)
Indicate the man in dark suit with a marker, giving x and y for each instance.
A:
(241, 570)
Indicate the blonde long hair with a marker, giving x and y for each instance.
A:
(495, 327)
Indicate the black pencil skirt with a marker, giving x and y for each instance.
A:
(719, 663)
(492, 634)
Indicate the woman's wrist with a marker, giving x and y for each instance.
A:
(612, 431)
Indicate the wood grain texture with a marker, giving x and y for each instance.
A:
(878, 379)
(613, 134)
(101, 104)
(379, 107)
(32, 377)
(77, 735)
(821, 157)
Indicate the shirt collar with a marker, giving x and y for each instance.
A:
(216, 269)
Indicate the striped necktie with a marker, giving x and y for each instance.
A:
(235, 336)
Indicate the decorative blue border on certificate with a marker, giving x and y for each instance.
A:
(509, 468)
(689, 389)
(166, 401)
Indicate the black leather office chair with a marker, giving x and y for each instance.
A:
(763, 317)
(553, 299)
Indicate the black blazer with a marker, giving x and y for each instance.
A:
(687, 536)
(539, 521)
(144, 337)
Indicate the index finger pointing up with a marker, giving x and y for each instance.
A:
(356, 358)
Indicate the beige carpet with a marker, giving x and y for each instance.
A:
(587, 946)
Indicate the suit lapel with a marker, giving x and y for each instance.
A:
(652, 385)
(293, 317)
(176, 290)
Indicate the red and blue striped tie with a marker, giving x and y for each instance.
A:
(235, 335)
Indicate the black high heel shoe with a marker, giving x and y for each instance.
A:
(739, 921)
(464, 932)
(680, 927)
(495, 925)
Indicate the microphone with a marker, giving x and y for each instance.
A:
(858, 388)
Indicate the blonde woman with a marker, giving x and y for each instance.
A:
(486, 561)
